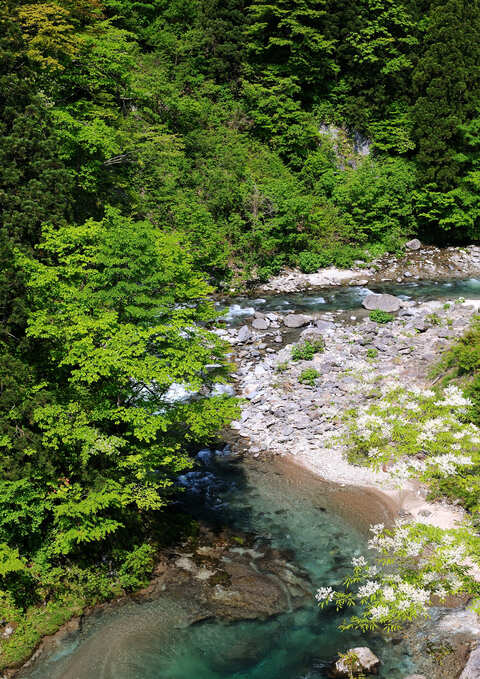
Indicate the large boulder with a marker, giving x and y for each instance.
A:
(296, 320)
(382, 302)
(472, 668)
(366, 661)
(413, 244)
(244, 334)
(260, 323)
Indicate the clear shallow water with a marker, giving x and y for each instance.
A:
(331, 299)
(151, 640)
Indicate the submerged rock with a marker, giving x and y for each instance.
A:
(382, 302)
(366, 661)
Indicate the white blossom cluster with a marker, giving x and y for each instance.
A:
(417, 432)
(393, 595)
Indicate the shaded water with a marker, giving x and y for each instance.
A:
(331, 299)
(292, 510)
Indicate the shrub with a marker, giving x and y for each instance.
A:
(380, 316)
(434, 319)
(372, 353)
(309, 376)
(309, 262)
(281, 367)
(305, 351)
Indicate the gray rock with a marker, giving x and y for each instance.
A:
(413, 244)
(325, 326)
(472, 668)
(286, 430)
(259, 314)
(260, 323)
(420, 325)
(296, 320)
(382, 302)
(416, 676)
(367, 662)
(311, 334)
(244, 334)
(8, 630)
(302, 422)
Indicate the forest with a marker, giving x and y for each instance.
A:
(150, 154)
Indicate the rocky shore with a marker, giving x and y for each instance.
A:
(223, 575)
(286, 417)
(418, 263)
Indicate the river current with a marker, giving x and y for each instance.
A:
(290, 509)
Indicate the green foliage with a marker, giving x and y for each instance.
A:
(381, 316)
(447, 81)
(305, 351)
(375, 201)
(281, 367)
(147, 148)
(309, 262)
(372, 353)
(308, 376)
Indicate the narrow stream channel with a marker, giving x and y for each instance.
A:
(292, 510)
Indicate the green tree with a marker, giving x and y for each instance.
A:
(119, 311)
(447, 85)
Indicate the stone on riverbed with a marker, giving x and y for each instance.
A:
(366, 662)
(413, 244)
(382, 303)
(296, 320)
(416, 676)
(244, 334)
(260, 323)
(312, 335)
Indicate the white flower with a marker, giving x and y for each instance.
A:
(379, 612)
(368, 589)
(454, 398)
(324, 593)
(359, 561)
(388, 593)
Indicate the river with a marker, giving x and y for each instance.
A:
(324, 527)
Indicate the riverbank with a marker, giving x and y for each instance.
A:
(422, 263)
(302, 422)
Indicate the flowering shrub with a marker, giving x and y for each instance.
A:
(416, 433)
(415, 566)
(421, 434)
